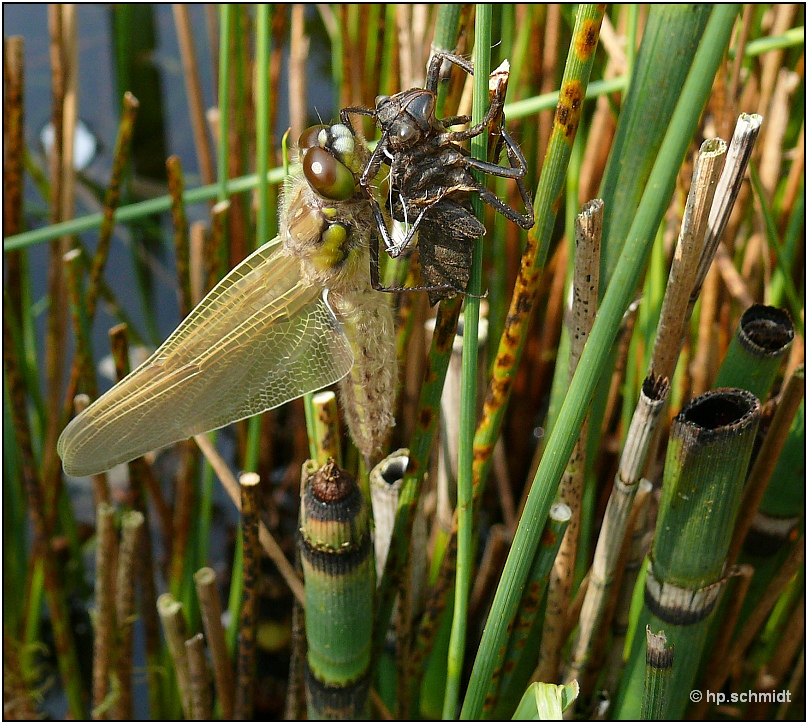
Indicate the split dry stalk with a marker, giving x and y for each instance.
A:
(231, 487)
(586, 276)
(210, 607)
(196, 104)
(105, 626)
(132, 525)
(766, 460)
(251, 555)
(171, 615)
(200, 678)
(726, 192)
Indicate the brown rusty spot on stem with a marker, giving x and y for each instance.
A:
(568, 111)
(426, 417)
(587, 40)
(548, 538)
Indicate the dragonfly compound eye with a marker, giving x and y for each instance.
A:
(309, 138)
(327, 176)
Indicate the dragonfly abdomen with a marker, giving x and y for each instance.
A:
(368, 391)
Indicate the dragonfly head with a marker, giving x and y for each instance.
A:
(330, 162)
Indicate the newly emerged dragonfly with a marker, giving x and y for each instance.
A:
(295, 316)
(430, 176)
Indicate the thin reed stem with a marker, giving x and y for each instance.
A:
(210, 606)
(193, 89)
(132, 527)
(201, 708)
(245, 681)
(326, 440)
(173, 621)
(105, 625)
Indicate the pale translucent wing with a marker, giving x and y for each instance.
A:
(260, 338)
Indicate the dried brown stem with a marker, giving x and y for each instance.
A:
(326, 428)
(173, 621)
(298, 54)
(245, 680)
(131, 532)
(201, 709)
(210, 607)
(684, 268)
(105, 626)
(196, 104)
(198, 242)
(216, 238)
(13, 150)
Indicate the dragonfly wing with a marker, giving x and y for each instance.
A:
(260, 338)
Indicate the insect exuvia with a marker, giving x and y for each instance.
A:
(295, 316)
(430, 179)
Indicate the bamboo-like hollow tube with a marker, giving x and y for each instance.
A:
(658, 669)
(210, 606)
(105, 628)
(336, 554)
(510, 673)
(326, 427)
(132, 523)
(213, 249)
(385, 485)
(245, 681)
(708, 454)
(200, 678)
(173, 621)
(586, 276)
(761, 341)
(607, 552)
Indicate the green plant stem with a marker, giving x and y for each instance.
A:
(618, 296)
(468, 394)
